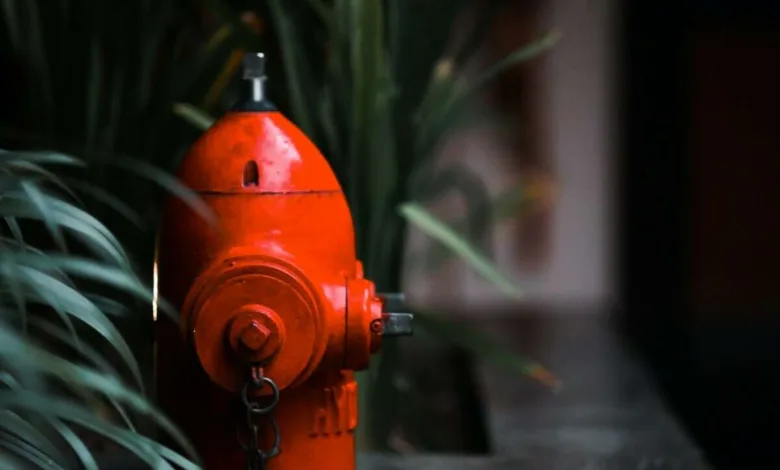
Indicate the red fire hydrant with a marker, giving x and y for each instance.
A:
(275, 312)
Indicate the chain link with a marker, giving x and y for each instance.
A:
(257, 459)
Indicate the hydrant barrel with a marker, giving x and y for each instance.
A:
(275, 315)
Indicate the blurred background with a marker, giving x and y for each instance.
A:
(699, 195)
(645, 144)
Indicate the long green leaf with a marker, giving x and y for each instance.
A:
(31, 356)
(427, 223)
(12, 23)
(121, 279)
(383, 167)
(370, 86)
(433, 185)
(110, 200)
(323, 12)
(232, 17)
(107, 305)
(200, 76)
(76, 444)
(476, 225)
(88, 353)
(446, 95)
(328, 119)
(27, 451)
(423, 33)
(21, 169)
(484, 20)
(17, 245)
(505, 206)
(519, 56)
(40, 202)
(485, 347)
(169, 183)
(296, 68)
(71, 412)
(93, 233)
(10, 272)
(445, 91)
(44, 158)
(14, 424)
(16, 231)
(194, 115)
(54, 292)
(14, 276)
(8, 463)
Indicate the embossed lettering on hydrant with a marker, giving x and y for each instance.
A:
(338, 411)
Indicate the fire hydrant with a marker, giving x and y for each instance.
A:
(275, 315)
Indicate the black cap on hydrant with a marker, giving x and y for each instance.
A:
(253, 97)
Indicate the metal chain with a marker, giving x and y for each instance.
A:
(257, 458)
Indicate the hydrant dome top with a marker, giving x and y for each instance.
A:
(256, 152)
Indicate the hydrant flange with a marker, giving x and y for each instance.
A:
(230, 292)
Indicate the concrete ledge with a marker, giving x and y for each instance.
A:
(536, 462)
(609, 415)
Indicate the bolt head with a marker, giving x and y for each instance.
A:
(255, 333)
(254, 336)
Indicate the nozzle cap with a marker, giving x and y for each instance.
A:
(397, 324)
(396, 319)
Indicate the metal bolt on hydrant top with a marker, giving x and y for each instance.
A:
(275, 313)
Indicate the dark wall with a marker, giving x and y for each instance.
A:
(655, 172)
(735, 148)
(700, 207)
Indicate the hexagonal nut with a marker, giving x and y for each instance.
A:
(254, 336)
(256, 333)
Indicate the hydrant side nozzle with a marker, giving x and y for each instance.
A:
(396, 320)
(397, 324)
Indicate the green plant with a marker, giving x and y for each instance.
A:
(103, 78)
(64, 278)
(97, 80)
(378, 98)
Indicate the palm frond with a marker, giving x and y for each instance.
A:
(38, 279)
